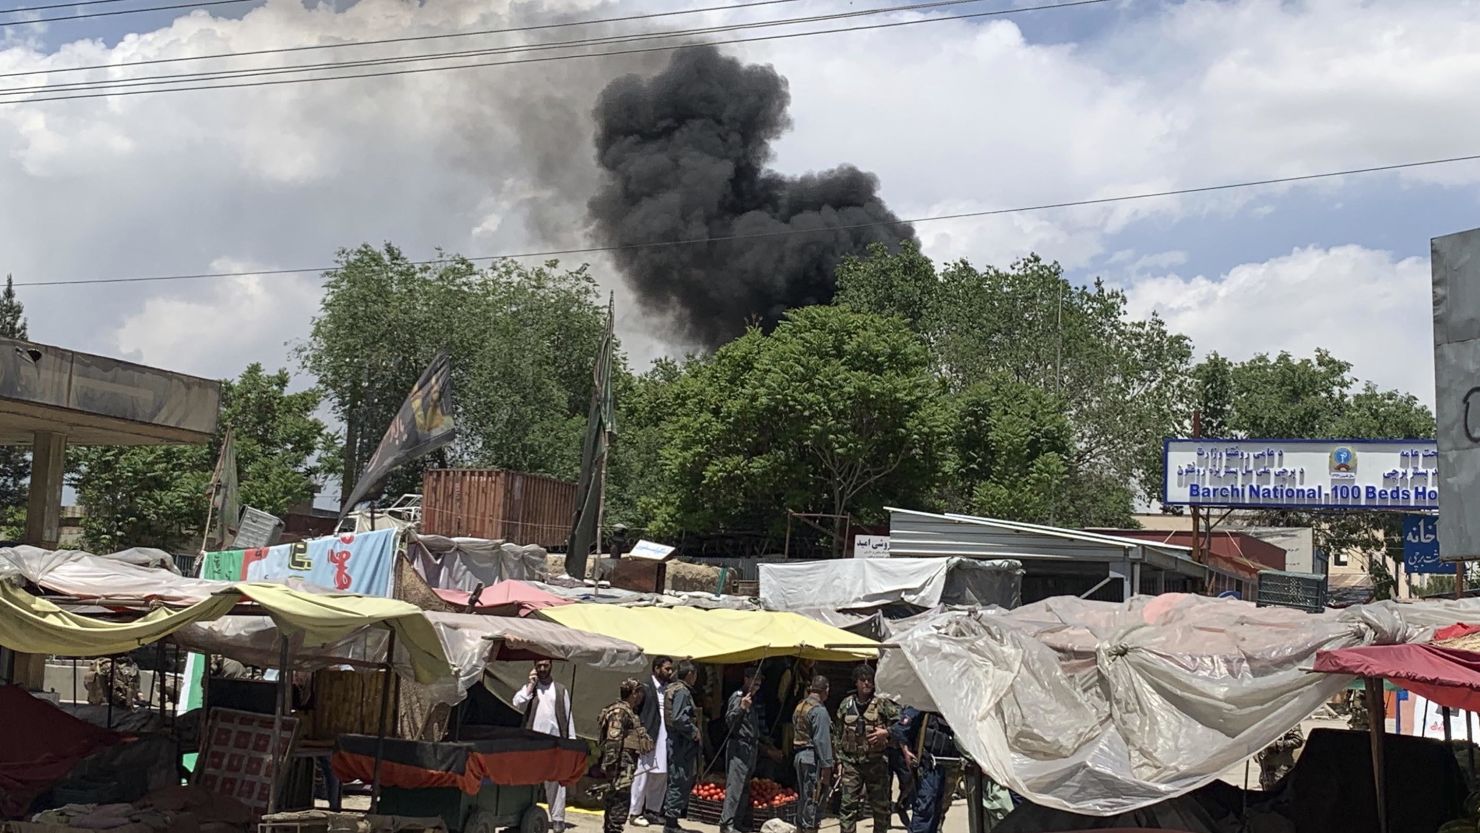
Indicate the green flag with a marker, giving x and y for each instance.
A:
(601, 426)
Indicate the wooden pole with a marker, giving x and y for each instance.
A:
(1375, 711)
(385, 707)
(284, 705)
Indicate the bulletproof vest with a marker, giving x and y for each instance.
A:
(668, 692)
(857, 723)
(936, 737)
(802, 727)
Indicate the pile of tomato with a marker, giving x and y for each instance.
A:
(765, 794)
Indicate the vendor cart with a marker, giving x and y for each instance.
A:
(482, 784)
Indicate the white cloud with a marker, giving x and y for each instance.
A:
(1363, 305)
(952, 116)
(237, 321)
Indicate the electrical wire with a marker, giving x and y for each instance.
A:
(1203, 189)
(406, 39)
(114, 13)
(180, 78)
(546, 59)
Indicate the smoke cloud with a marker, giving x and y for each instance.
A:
(684, 154)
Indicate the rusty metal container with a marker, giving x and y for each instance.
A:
(499, 504)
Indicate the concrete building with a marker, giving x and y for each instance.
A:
(51, 397)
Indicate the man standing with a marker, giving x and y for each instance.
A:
(652, 769)
(682, 722)
(864, 722)
(623, 741)
(926, 739)
(546, 707)
(812, 744)
(743, 723)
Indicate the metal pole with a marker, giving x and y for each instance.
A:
(385, 707)
(1196, 538)
(1447, 739)
(1470, 741)
(1375, 709)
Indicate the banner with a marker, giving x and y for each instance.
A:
(1302, 474)
(352, 562)
(423, 425)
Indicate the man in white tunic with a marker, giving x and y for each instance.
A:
(546, 707)
(651, 780)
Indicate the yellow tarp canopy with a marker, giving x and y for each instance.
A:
(719, 636)
(33, 625)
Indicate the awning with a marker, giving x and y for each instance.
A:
(505, 598)
(718, 636)
(1447, 676)
(33, 625)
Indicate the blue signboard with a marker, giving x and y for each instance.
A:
(1421, 545)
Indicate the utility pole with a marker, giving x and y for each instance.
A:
(1196, 513)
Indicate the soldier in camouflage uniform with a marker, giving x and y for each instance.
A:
(1277, 759)
(123, 674)
(1359, 719)
(863, 731)
(623, 740)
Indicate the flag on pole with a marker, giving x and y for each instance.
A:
(423, 425)
(226, 508)
(601, 426)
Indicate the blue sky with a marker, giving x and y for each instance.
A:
(1123, 97)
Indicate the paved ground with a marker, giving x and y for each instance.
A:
(586, 821)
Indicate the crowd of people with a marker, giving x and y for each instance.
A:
(651, 740)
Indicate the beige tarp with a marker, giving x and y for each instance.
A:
(36, 626)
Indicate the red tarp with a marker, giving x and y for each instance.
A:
(505, 598)
(515, 757)
(1447, 676)
(41, 745)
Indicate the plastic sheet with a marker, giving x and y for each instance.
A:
(1102, 708)
(862, 583)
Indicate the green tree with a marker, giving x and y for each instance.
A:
(15, 462)
(1010, 445)
(522, 341)
(645, 403)
(156, 495)
(1124, 384)
(835, 411)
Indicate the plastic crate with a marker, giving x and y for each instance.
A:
(1302, 591)
(703, 810)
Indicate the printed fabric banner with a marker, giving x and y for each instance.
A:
(352, 562)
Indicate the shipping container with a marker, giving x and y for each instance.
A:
(494, 503)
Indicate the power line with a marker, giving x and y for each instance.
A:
(255, 72)
(545, 59)
(406, 39)
(993, 212)
(114, 13)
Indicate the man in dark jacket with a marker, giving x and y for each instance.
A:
(929, 745)
(651, 780)
(681, 721)
(743, 723)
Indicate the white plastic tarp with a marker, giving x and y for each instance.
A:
(465, 563)
(858, 583)
(1101, 708)
(86, 576)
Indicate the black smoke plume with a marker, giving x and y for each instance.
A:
(684, 155)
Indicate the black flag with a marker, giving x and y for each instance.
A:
(600, 427)
(423, 425)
